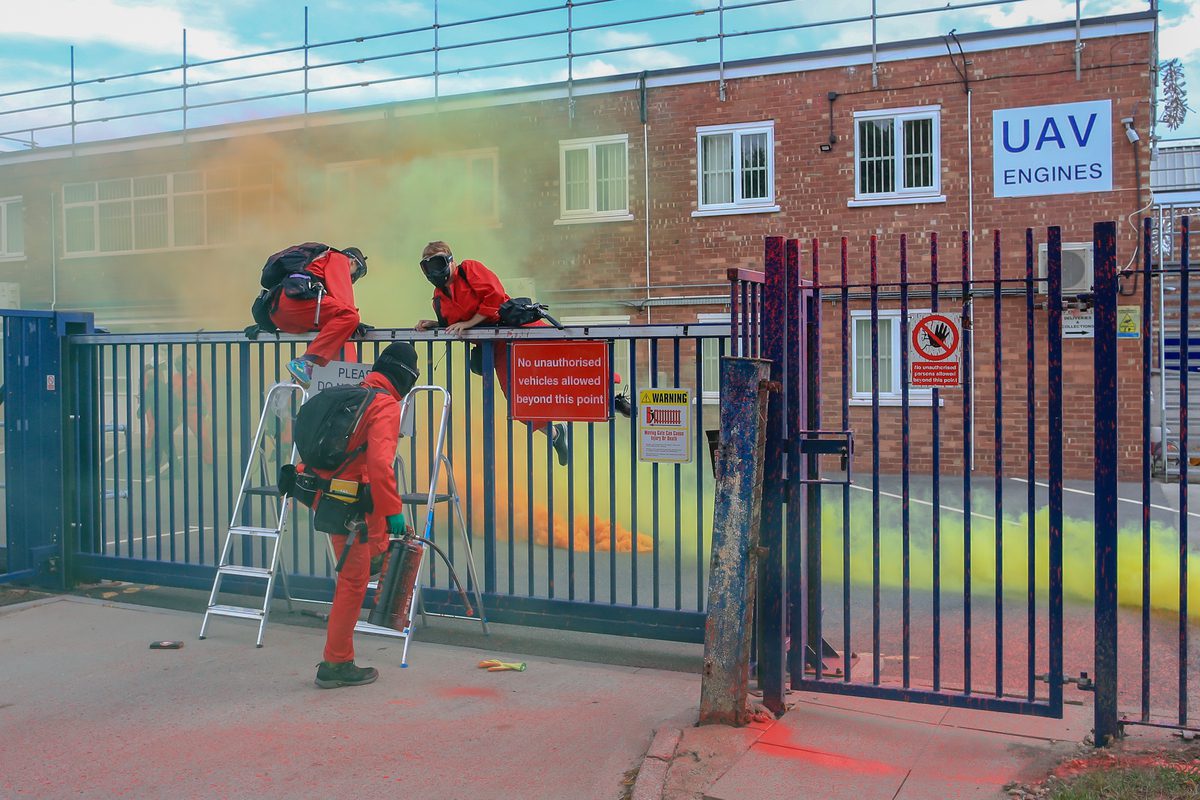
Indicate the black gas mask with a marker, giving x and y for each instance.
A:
(437, 269)
(358, 263)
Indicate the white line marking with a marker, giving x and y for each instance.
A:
(1122, 499)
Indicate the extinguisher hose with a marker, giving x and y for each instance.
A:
(462, 592)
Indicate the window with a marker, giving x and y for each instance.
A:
(890, 376)
(594, 179)
(12, 227)
(160, 212)
(711, 351)
(735, 168)
(897, 156)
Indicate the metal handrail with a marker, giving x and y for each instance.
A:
(718, 36)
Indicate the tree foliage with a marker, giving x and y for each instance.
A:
(1174, 94)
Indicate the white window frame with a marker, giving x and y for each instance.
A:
(740, 205)
(239, 190)
(708, 396)
(900, 195)
(917, 395)
(6, 251)
(590, 214)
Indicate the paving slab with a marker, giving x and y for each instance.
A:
(86, 709)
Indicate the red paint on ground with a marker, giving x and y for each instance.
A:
(469, 691)
(833, 760)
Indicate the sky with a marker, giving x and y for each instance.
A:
(117, 37)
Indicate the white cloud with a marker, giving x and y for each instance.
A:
(1178, 40)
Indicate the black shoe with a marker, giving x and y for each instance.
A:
(621, 405)
(562, 444)
(331, 676)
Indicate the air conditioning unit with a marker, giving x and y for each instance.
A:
(1076, 268)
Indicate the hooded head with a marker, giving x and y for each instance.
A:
(398, 363)
(437, 262)
(359, 267)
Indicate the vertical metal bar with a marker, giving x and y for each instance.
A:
(512, 522)
(1054, 391)
(701, 556)
(612, 486)
(655, 548)
(905, 498)
(198, 368)
(997, 366)
(814, 618)
(875, 549)
(1145, 333)
(1105, 432)
(968, 456)
(216, 462)
(73, 123)
(489, 468)
(170, 425)
(936, 492)
(721, 48)
(591, 501)
(846, 652)
(772, 593)
(550, 548)
(1184, 370)
(129, 475)
(1030, 470)
(116, 452)
(184, 86)
(679, 486)
(143, 410)
(633, 482)
(571, 517)
(103, 457)
(794, 423)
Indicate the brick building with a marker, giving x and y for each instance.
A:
(627, 198)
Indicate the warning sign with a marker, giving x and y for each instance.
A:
(1129, 322)
(338, 373)
(665, 425)
(560, 381)
(935, 349)
(1078, 323)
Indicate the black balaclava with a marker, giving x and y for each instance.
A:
(437, 269)
(398, 363)
(360, 263)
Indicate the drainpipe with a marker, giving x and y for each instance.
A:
(646, 179)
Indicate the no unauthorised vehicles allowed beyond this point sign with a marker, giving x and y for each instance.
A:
(935, 349)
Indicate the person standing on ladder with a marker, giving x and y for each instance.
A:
(468, 294)
(394, 372)
(332, 313)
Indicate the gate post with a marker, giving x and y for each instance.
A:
(1105, 400)
(36, 413)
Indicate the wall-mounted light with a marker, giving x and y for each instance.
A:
(1130, 133)
(825, 148)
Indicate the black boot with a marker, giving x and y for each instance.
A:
(331, 676)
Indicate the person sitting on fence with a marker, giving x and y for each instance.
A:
(467, 294)
(321, 300)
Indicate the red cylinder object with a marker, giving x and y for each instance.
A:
(397, 586)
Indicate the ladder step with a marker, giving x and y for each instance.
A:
(246, 530)
(236, 611)
(248, 572)
(262, 491)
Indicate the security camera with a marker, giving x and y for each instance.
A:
(1130, 133)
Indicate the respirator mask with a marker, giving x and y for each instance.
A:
(437, 269)
(358, 263)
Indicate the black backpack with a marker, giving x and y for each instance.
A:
(325, 424)
(290, 260)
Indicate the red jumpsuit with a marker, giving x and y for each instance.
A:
(481, 293)
(380, 431)
(339, 316)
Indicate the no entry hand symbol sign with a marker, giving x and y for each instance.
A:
(934, 352)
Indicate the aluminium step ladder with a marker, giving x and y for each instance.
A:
(430, 499)
(272, 536)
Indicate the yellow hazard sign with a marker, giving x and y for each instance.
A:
(1129, 322)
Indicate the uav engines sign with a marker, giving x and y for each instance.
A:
(1059, 149)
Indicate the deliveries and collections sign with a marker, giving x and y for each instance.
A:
(665, 425)
(1058, 149)
(559, 381)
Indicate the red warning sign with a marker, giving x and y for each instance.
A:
(935, 349)
(559, 381)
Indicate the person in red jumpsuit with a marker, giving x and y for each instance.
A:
(333, 316)
(468, 294)
(394, 372)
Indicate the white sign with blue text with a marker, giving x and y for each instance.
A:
(1058, 149)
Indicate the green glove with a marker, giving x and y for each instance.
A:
(396, 524)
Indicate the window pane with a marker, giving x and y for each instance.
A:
(754, 167)
(221, 208)
(189, 220)
(150, 186)
(575, 182)
(116, 229)
(81, 237)
(611, 181)
(16, 229)
(716, 165)
(876, 151)
(710, 358)
(862, 356)
(150, 223)
(886, 384)
(918, 153)
(188, 181)
(79, 192)
(114, 190)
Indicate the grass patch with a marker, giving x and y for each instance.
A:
(1161, 782)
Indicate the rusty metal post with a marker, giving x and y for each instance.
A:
(733, 565)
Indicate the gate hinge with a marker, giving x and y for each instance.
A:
(1084, 682)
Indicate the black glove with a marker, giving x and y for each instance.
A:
(251, 332)
(362, 330)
